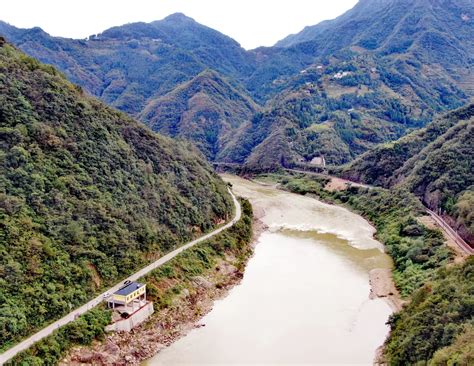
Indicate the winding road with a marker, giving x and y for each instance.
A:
(23, 345)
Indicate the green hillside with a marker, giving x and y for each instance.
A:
(126, 66)
(439, 34)
(435, 163)
(344, 106)
(432, 31)
(337, 89)
(435, 328)
(206, 110)
(86, 195)
(379, 165)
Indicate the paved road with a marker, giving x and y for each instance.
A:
(10, 353)
(451, 232)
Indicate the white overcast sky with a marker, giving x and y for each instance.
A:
(252, 23)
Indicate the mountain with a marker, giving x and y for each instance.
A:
(126, 66)
(372, 75)
(435, 163)
(87, 195)
(397, 26)
(380, 70)
(433, 32)
(343, 107)
(207, 110)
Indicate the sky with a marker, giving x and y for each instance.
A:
(252, 23)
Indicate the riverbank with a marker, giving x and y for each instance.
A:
(187, 306)
(435, 323)
(417, 250)
(382, 284)
(305, 290)
(183, 292)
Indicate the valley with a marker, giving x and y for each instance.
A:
(88, 197)
(275, 202)
(331, 97)
(308, 280)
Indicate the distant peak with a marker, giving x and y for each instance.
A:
(209, 73)
(178, 17)
(206, 76)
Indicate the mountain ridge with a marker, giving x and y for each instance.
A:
(420, 64)
(435, 163)
(87, 195)
(206, 109)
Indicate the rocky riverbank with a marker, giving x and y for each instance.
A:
(382, 286)
(171, 323)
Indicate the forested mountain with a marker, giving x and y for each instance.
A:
(130, 65)
(381, 69)
(435, 163)
(207, 110)
(397, 26)
(86, 195)
(437, 33)
(346, 106)
(336, 89)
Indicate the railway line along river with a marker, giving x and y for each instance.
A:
(304, 298)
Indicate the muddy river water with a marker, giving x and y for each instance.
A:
(304, 298)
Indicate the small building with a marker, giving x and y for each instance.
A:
(130, 307)
(319, 161)
(342, 74)
(128, 295)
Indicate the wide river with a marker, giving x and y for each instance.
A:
(304, 298)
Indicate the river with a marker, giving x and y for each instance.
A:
(304, 298)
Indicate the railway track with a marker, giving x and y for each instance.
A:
(451, 232)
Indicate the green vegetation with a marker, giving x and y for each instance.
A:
(129, 66)
(206, 110)
(464, 213)
(433, 32)
(383, 75)
(87, 195)
(460, 352)
(50, 350)
(164, 285)
(168, 281)
(436, 327)
(379, 165)
(416, 250)
(435, 163)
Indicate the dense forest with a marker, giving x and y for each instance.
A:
(436, 328)
(165, 286)
(87, 195)
(207, 110)
(335, 90)
(435, 163)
